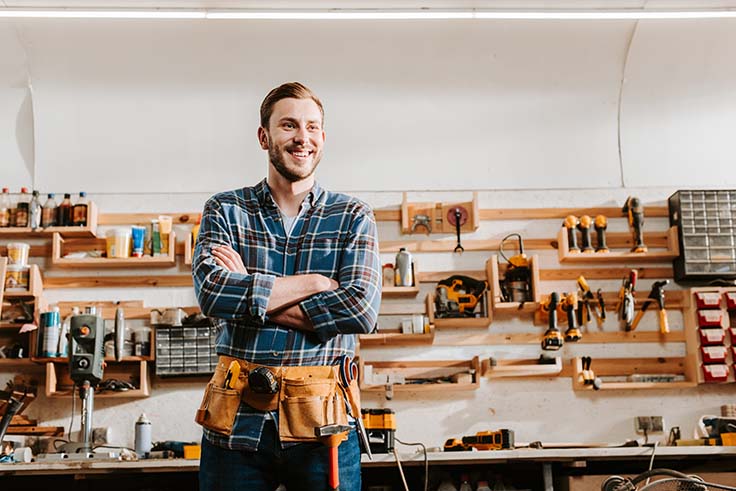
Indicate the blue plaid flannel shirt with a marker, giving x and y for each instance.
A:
(334, 235)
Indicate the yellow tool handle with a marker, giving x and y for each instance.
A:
(664, 326)
(637, 319)
(233, 372)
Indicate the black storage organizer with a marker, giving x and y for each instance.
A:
(188, 349)
(706, 222)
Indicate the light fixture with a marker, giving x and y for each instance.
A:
(370, 14)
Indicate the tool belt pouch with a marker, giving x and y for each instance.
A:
(309, 398)
(219, 404)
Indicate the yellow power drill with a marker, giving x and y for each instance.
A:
(635, 211)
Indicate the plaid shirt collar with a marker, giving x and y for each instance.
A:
(265, 198)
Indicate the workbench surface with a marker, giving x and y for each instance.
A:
(381, 460)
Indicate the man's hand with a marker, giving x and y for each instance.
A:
(226, 257)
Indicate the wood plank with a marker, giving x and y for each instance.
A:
(597, 273)
(36, 430)
(615, 240)
(604, 337)
(394, 215)
(178, 218)
(118, 281)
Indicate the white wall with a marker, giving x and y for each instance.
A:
(155, 116)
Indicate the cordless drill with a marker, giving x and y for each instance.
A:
(635, 211)
(552, 339)
(584, 226)
(569, 305)
(570, 223)
(601, 223)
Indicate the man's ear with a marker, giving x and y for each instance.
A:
(263, 138)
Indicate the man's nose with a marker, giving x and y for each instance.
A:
(302, 135)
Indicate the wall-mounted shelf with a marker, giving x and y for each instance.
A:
(89, 230)
(35, 285)
(382, 339)
(495, 271)
(188, 249)
(59, 385)
(460, 322)
(60, 245)
(565, 256)
(399, 291)
(437, 215)
(466, 372)
(624, 368)
(531, 367)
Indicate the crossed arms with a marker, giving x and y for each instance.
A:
(308, 302)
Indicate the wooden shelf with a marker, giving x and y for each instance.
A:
(437, 214)
(623, 367)
(59, 244)
(399, 291)
(108, 360)
(521, 368)
(35, 285)
(460, 322)
(416, 370)
(494, 271)
(8, 363)
(89, 231)
(379, 340)
(565, 256)
(59, 385)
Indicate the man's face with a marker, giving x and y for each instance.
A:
(294, 138)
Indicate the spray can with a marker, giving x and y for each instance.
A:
(404, 271)
(143, 436)
(51, 325)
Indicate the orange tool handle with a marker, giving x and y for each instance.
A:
(664, 326)
(334, 472)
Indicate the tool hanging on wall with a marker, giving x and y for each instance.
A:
(656, 294)
(516, 285)
(552, 339)
(569, 304)
(588, 376)
(635, 211)
(584, 225)
(601, 224)
(571, 223)
(421, 220)
(626, 300)
(589, 304)
(458, 296)
(380, 425)
(457, 218)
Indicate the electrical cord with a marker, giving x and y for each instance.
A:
(651, 461)
(71, 420)
(401, 470)
(426, 462)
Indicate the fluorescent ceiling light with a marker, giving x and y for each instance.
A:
(369, 14)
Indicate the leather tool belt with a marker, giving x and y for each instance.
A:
(308, 397)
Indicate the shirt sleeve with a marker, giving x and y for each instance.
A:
(353, 307)
(222, 293)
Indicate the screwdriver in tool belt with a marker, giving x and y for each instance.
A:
(233, 372)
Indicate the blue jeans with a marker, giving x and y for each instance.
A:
(301, 467)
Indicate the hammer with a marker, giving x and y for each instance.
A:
(331, 436)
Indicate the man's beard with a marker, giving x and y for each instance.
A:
(295, 173)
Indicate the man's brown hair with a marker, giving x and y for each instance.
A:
(290, 90)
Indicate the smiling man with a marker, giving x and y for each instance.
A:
(289, 273)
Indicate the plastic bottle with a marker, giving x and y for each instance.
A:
(195, 230)
(483, 486)
(5, 206)
(34, 211)
(64, 334)
(143, 436)
(64, 211)
(404, 272)
(21, 209)
(51, 328)
(446, 485)
(48, 213)
(465, 483)
(79, 212)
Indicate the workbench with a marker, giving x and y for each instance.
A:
(547, 469)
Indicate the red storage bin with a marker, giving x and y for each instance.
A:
(708, 300)
(732, 332)
(730, 300)
(713, 354)
(715, 373)
(710, 318)
(710, 337)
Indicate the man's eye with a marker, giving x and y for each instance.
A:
(289, 125)
(313, 127)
